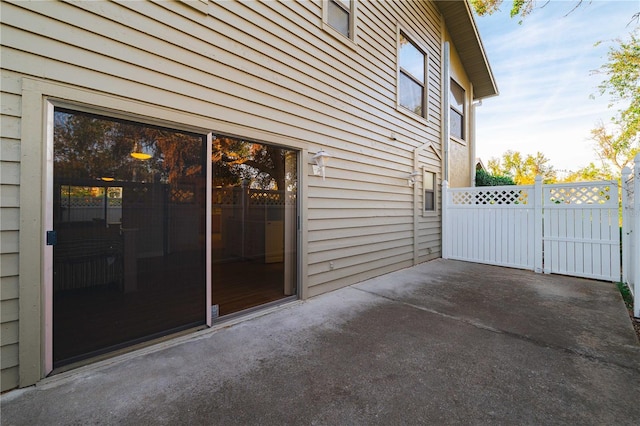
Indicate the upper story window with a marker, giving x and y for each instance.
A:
(339, 15)
(412, 76)
(456, 101)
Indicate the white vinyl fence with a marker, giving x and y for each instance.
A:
(570, 229)
(631, 231)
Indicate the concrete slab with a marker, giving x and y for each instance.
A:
(442, 343)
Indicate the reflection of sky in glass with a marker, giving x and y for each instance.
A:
(456, 125)
(411, 59)
(339, 18)
(410, 94)
(457, 96)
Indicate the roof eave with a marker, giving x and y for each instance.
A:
(465, 36)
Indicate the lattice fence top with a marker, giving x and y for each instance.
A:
(490, 196)
(577, 194)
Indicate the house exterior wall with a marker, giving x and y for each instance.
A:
(460, 150)
(258, 70)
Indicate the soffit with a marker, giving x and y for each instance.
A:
(464, 35)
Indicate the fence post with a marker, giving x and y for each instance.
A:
(626, 226)
(445, 225)
(538, 224)
(636, 234)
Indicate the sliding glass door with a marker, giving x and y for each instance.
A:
(131, 251)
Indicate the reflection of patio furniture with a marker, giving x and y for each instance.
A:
(83, 263)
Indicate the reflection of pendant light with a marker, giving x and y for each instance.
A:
(107, 179)
(138, 153)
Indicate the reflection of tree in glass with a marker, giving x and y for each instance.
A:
(90, 147)
(236, 160)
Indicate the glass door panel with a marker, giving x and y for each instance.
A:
(129, 214)
(254, 224)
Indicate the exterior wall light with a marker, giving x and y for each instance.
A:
(412, 177)
(321, 158)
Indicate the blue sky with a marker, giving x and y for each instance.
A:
(544, 71)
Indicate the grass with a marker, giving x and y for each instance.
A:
(626, 295)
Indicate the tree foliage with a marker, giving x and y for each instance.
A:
(486, 179)
(590, 173)
(523, 169)
(616, 145)
(89, 147)
(518, 7)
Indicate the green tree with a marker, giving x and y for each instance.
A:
(523, 170)
(589, 173)
(518, 7)
(617, 145)
(486, 179)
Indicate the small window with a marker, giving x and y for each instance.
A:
(412, 75)
(456, 100)
(429, 186)
(339, 15)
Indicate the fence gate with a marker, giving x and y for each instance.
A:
(570, 229)
(581, 231)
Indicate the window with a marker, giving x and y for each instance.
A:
(339, 15)
(429, 184)
(412, 77)
(456, 100)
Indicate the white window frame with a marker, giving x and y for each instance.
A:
(350, 39)
(413, 39)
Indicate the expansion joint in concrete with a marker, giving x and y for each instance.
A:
(482, 326)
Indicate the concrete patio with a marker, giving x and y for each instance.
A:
(444, 342)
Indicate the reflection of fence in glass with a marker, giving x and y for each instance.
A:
(87, 204)
(258, 197)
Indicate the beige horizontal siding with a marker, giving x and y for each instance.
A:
(9, 310)
(10, 111)
(9, 378)
(9, 288)
(9, 149)
(10, 219)
(10, 123)
(8, 241)
(9, 356)
(9, 333)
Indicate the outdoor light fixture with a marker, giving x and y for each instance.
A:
(412, 177)
(321, 158)
(140, 154)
